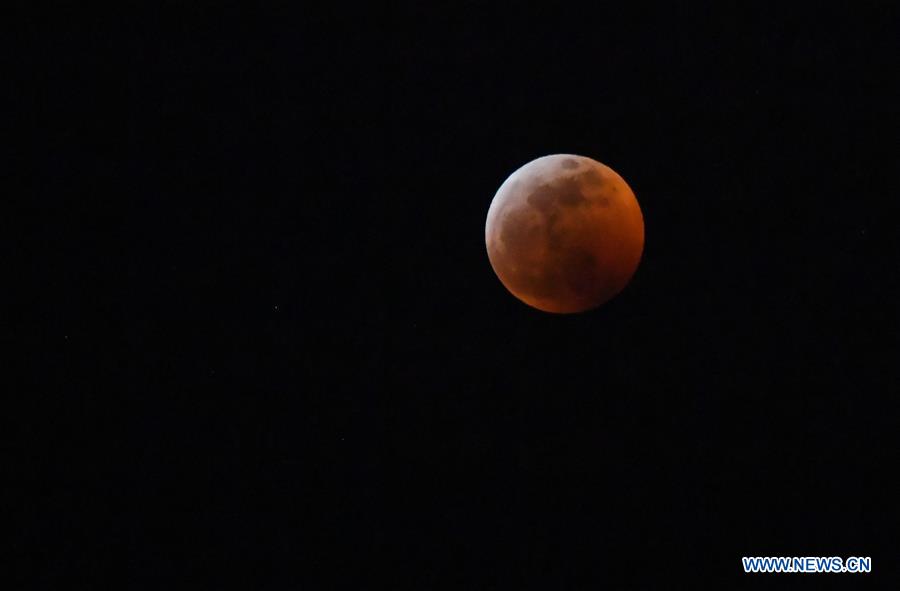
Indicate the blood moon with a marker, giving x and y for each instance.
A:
(564, 233)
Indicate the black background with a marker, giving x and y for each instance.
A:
(263, 343)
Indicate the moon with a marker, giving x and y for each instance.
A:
(564, 233)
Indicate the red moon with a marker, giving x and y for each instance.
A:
(564, 233)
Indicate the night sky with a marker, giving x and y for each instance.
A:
(263, 344)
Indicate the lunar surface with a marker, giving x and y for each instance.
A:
(564, 233)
